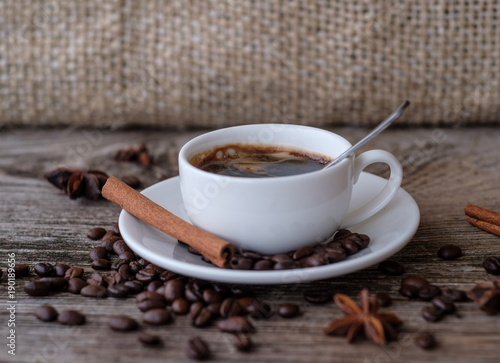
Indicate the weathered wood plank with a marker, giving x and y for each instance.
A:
(444, 170)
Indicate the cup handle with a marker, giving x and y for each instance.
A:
(385, 196)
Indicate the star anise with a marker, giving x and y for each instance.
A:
(487, 297)
(139, 155)
(77, 183)
(365, 319)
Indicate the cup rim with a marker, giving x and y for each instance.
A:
(183, 157)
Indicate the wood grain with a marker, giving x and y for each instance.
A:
(444, 170)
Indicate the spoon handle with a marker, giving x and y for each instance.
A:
(377, 130)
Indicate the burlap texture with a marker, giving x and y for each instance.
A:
(188, 63)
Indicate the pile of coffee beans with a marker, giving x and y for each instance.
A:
(345, 243)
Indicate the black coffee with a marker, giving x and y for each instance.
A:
(258, 161)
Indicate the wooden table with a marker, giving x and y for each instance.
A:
(444, 170)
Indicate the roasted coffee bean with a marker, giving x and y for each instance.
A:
(492, 265)
(98, 252)
(425, 340)
(449, 252)
(116, 264)
(263, 265)
(73, 272)
(257, 309)
(112, 278)
(132, 181)
(154, 286)
(197, 349)
(124, 271)
(192, 250)
(134, 286)
(108, 244)
(362, 241)
(37, 288)
(335, 254)
(174, 289)
(116, 229)
(317, 296)
(148, 300)
(243, 343)
(142, 262)
(211, 296)
(56, 283)
(96, 233)
(71, 317)
(317, 259)
(60, 269)
(230, 307)
(75, 285)
(180, 306)
(199, 315)
(240, 291)
(241, 263)
(432, 314)
(146, 275)
(46, 313)
(148, 339)
(44, 269)
(127, 256)
(383, 299)
(101, 264)
(214, 308)
(118, 291)
(415, 281)
(21, 270)
(96, 279)
(110, 235)
(391, 267)
(120, 246)
(454, 295)
(249, 254)
(157, 317)
(123, 323)
(288, 310)
(191, 295)
(283, 262)
(445, 306)
(303, 252)
(341, 233)
(349, 246)
(96, 291)
(168, 275)
(135, 267)
(429, 292)
(235, 324)
(245, 301)
(409, 291)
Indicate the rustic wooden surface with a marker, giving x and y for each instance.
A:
(444, 170)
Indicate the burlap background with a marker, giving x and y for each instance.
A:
(186, 63)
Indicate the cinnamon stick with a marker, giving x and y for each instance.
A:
(482, 214)
(217, 250)
(486, 226)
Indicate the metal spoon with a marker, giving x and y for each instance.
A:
(377, 130)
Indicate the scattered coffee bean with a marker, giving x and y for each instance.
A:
(383, 299)
(243, 343)
(148, 339)
(96, 279)
(44, 269)
(155, 285)
(288, 310)
(146, 275)
(199, 315)
(96, 291)
(432, 314)
(197, 349)
(157, 317)
(21, 270)
(96, 233)
(445, 306)
(415, 281)
(75, 285)
(449, 252)
(263, 265)
(454, 295)
(112, 278)
(134, 286)
(71, 317)
(391, 267)
(425, 340)
(97, 253)
(211, 296)
(317, 296)
(37, 288)
(46, 313)
(60, 269)
(230, 307)
(56, 283)
(73, 272)
(148, 300)
(409, 291)
(428, 292)
(174, 289)
(235, 324)
(180, 306)
(101, 264)
(120, 246)
(123, 323)
(118, 290)
(492, 265)
(132, 181)
(108, 244)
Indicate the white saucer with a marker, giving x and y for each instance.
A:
(389, 230)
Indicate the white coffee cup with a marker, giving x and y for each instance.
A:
(278, 214)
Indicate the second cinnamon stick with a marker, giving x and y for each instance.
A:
(217, 250)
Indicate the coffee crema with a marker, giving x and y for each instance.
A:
(258, 161)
